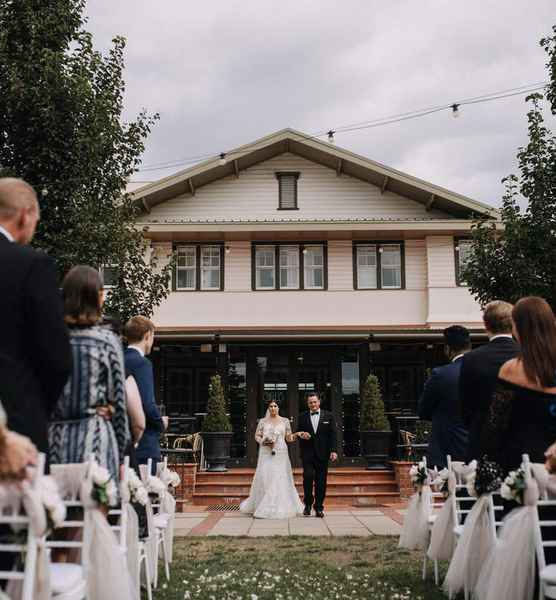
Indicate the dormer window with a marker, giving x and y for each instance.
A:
(287, 190)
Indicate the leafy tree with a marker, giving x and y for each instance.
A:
(216, 419)
(520, 260)
(61, 130)
(372, 416)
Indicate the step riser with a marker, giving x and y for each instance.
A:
(208, 500)
(224, 478)
(244, 489)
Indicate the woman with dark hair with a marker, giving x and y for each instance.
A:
(90, 417)
(522, 417)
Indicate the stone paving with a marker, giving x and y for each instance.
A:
(356, 522)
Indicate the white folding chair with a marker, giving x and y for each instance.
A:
(24, 571)
(159, 522)
(547, 573)
(437, 501)
(68, 580)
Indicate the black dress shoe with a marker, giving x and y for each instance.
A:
(307, 511)
(319, 514)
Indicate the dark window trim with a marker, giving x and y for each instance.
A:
(278, 176)
(301, 246)
(198, 245)
(378, 243)
(457, 240)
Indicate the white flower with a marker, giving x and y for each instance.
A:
(506, 492)
(156, 486)
(101, 476)
(58, 514)
(141, 496)
(174, 479)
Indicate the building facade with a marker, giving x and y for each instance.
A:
(301, 266)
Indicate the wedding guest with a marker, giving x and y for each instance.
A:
(440, 402)
(35, 357)
(139, 332)
(522, 415)
(16, 452)
(479, 369)
(90, 417)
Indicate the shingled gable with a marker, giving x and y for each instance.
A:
(320, 152)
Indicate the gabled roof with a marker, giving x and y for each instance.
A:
(318, 151)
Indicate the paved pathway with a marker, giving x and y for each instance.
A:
(373, 521)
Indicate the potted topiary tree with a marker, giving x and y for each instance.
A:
(374, 425)
(217, 428)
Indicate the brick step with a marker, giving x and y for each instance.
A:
(244, 475)
(353, 488)
(332, 498)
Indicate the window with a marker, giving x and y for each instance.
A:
(210, 267)
(314, 267)
(289, 266)
(199, 267)
(109, 274)
(287, 191)
(186, 268)
(378, 265)
(463, 250)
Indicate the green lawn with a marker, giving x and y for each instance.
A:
(292, 568)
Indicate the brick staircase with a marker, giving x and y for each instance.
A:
(346, 487)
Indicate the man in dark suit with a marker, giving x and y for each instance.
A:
(479, 371)
(139, 333)
(440, 402)
(35, 354)
(318, 439)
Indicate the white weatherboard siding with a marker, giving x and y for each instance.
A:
(321, 195)
(415, 265)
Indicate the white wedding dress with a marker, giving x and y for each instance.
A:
(273, 494)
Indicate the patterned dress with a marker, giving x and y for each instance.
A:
(97, 379)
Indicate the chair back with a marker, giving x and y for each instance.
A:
(120, 528)
(11, 514)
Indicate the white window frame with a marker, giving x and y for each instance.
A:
(210, 268)
(307, 269)
(287, 267)
(188, 268)
(272, 268)
(459, 264)
(359, 267)
(382, 267)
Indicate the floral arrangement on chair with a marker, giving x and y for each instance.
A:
(137, 491)
(170, 478)
(156, 486)
(54, 506)
(104, 490)
(419, 475)
(484, 477)
(514, 486)
(440, 481)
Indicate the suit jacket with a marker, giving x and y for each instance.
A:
(323, 442)
(439, 403)
(479, 371)
(141, 369)
(35, 354)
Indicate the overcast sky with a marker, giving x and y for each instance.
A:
(223, 73)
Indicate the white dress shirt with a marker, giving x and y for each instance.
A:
(501, 335)
(315, 421)
(7, 234)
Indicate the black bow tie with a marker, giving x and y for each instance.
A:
(314, 413)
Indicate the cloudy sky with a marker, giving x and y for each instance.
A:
(222, 74)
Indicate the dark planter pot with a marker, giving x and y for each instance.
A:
(216, 447)
(375, 447)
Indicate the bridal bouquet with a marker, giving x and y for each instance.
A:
(269, 439)
(514, 486)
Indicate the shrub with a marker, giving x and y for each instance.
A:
(216, 419)
(372, 415)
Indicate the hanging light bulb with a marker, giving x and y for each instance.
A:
(331, 137)
(44, 192)
(228, 249)
(455, 111)
(222, 160)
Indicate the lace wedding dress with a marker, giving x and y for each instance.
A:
(273, 494)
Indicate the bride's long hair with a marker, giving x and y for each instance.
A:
(267, 413)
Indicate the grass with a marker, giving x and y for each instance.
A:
(295, 568)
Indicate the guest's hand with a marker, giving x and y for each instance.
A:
(333, 456)
(105, 412)
(304, 435)
(17, 452)
(550, 456)
(165, 422)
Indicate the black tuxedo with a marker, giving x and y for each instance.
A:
(479, 370)
(35, 354)
(315, 454)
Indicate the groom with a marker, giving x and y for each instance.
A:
(317, 433)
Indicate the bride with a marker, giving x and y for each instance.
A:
(273, 494)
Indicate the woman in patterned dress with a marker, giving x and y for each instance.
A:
(90, 417)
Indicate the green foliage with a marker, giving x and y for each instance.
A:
(61, 130)
(372, 415)
(216, 419)
(521, 260)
